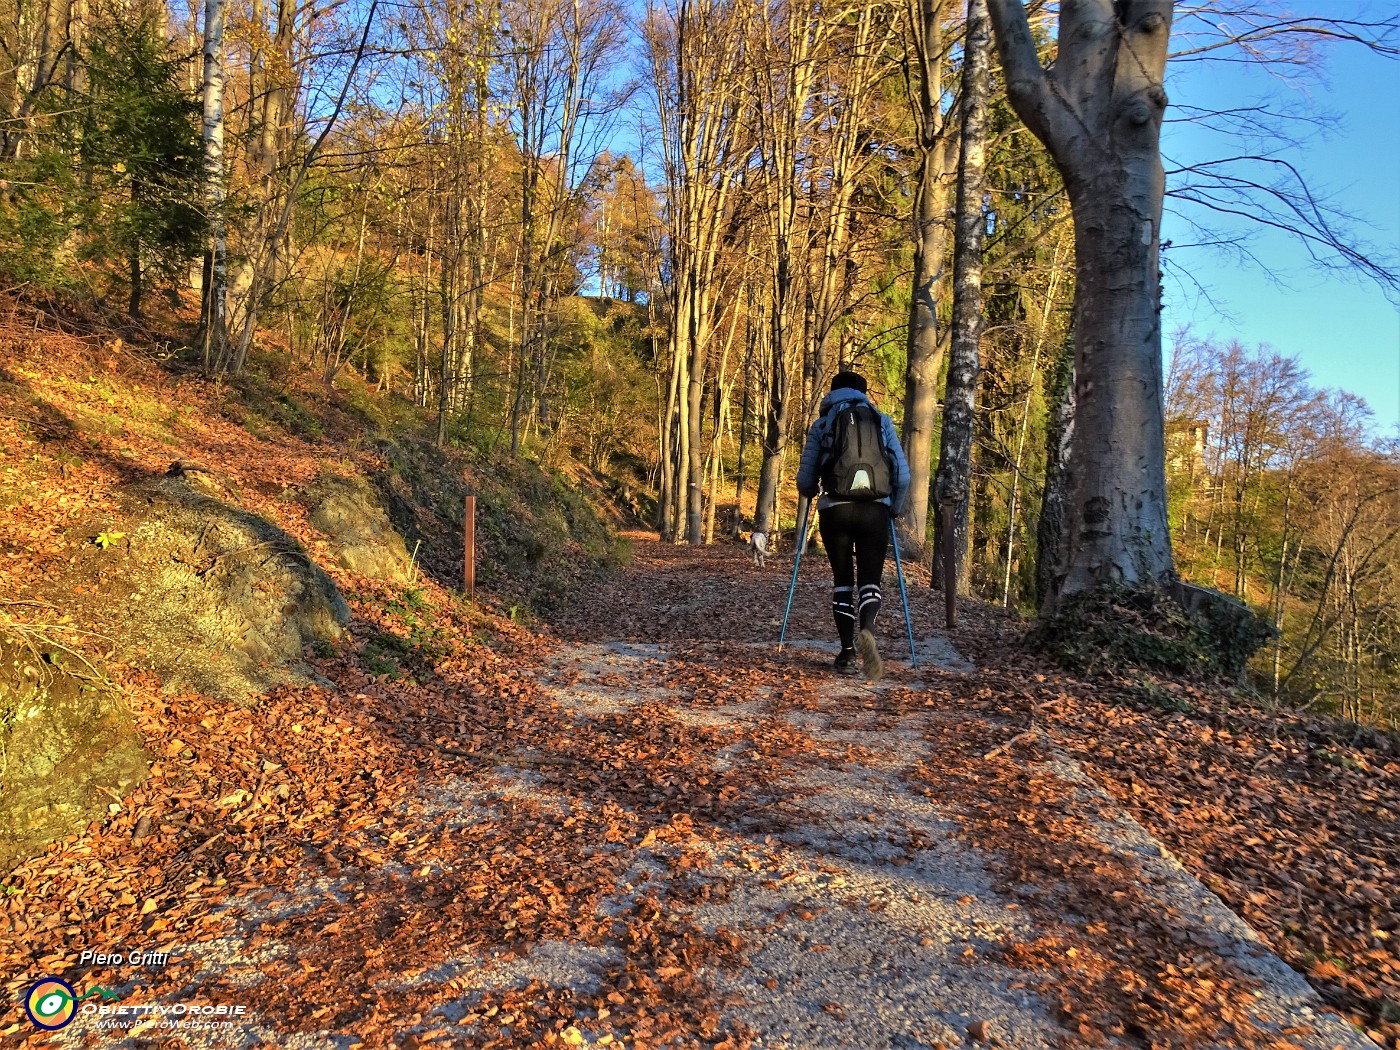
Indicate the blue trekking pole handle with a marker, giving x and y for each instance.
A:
(903, 597)
(801, 542)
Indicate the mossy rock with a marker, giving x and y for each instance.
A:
(363, 538)
(66, 741)
(212, 597)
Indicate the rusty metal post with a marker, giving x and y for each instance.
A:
(950, 567)
(469, 543)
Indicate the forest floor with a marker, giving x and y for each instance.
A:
(639, 825)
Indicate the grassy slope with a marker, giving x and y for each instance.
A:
(81, 415)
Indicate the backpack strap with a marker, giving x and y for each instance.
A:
(832, 412)
(828, 416)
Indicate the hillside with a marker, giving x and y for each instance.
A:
(157, 524)
(594, 807)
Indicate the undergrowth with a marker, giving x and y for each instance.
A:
(1116, 629)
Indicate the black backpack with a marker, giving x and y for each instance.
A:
(855, 465)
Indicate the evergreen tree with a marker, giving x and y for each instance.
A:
(139, 147)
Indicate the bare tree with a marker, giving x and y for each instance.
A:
(36, 40)
(925, 347)
(560, 106)
(954, 485)
(696, 53)
(1352, 493)
(862, 56)
(1256, 184)
(462, 45)
(1048, 305)
(784, 72)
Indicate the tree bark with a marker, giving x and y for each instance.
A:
(1059, 433)
(924, 349)
(954, 486)
(1099, 112)
(213, 324)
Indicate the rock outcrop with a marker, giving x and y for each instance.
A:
(363, 539)
(68, 747)
(216, 598)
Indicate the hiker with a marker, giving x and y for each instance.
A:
(853, 451)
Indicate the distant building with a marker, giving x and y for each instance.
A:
(1186, 446)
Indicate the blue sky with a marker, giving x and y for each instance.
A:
(1344, 331)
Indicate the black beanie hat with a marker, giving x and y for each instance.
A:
(849, 381)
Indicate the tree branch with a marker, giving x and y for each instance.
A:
(1027, 84)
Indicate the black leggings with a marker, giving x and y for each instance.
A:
(856, 537)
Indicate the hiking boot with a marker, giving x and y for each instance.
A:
(846, 662)
(870, 655)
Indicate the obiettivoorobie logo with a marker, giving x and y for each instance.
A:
(51, 1003)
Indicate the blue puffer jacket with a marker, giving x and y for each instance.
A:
(809, 471)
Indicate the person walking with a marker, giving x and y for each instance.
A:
(854, 457)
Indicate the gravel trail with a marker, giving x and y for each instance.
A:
(714, 844)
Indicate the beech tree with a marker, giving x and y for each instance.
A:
(1098, 109)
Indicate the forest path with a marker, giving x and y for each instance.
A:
(868, 915)
(645, 827)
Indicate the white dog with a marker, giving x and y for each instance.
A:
(758, 547)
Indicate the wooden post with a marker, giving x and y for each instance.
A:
(950, 567)
(469, 543)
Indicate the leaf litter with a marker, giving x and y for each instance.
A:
(641, 826)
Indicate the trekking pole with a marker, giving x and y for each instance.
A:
(801, 542)
(903, 597)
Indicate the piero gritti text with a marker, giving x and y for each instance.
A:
(132, 958)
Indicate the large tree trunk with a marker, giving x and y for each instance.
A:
(1118, 530)
(954, 485)
(924, 350)
(1099, 111)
